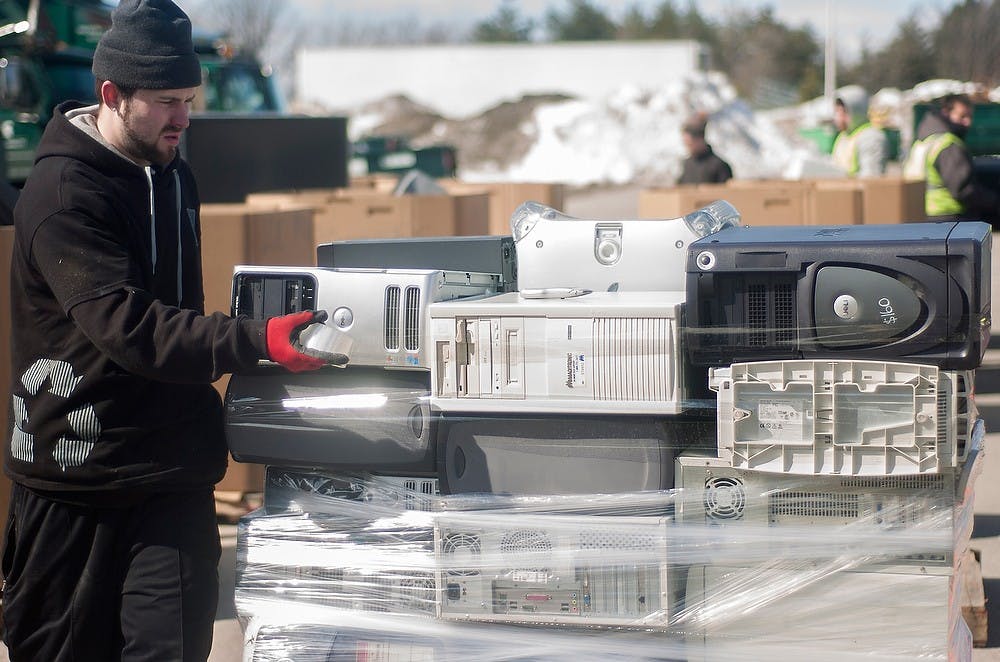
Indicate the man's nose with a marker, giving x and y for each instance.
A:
(181, 116)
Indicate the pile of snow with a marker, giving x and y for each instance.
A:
(633, 136)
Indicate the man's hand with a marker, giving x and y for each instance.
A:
(282, 331)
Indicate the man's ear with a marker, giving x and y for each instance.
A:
(110, 95)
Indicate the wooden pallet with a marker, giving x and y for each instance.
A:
(973, 598)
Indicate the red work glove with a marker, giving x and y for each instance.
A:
(283, 331)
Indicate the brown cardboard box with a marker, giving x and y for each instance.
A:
(472, 214)
(833, 202)
(893, 200)
(361, 214)
(233, 234)
(505, 197)
(370, 214)
(242, 477)
(759, 203)
(377, 181)
(679, 200)
(6, 248)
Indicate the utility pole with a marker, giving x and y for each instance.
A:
(830, 57)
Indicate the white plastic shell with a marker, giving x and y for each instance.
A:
(843, 417)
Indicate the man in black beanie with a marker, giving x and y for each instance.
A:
(112, 546)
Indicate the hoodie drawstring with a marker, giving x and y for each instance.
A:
(152, 216)
(180, 244)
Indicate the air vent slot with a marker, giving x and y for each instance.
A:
(756, 314)
(391, 318)
(411, 323)
(814, 504)
(915, 482)
(784, 313)
(633, 359)
(769, 314)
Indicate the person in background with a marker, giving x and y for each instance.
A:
(861, 149)
(112, 545)
(940, 156)
(703, 166)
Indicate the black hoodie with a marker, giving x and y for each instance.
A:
(112, 353)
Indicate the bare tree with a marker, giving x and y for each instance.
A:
(250, 24)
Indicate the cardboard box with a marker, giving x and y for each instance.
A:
(242, 477)
(377, 181)
(833, 202)
(893, 200)
(371, 214)
(759, 203)
(234, 234)
(505, 197)
(678, 201)
(6, 249)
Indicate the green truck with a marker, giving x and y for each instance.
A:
(46, 49)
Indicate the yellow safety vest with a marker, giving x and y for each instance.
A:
(938, 200)
(845, 149)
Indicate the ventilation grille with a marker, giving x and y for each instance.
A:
(617, 540)
(416, 493)
(464, 547)
(411, 320)
(769, 314)
(391, 318)
(519, 542)
(417, 593)
(814, 504)
(756, 316)
(725, 498)
(913, 482)
(634, 359)
(784, 313)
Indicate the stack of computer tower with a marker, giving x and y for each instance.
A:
(648, 440)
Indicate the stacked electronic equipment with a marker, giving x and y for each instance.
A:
(682, 439)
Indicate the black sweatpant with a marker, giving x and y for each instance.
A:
(91, 584)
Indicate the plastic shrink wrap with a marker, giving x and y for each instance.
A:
(367, 568)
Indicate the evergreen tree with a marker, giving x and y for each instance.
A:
(506, 25)
(583, 21)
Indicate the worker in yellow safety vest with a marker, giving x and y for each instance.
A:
(940, 156)
(861, 148)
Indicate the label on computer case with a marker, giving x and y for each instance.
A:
(576, 374)
(782, 419)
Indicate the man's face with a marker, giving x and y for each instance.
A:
(152, 123)
(960, 114)
(841, 119)
(694, 144)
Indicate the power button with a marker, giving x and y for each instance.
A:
(342, 318)
(845, 307)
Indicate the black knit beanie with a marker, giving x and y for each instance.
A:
(148, 47)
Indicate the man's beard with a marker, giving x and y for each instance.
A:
(138, 147)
